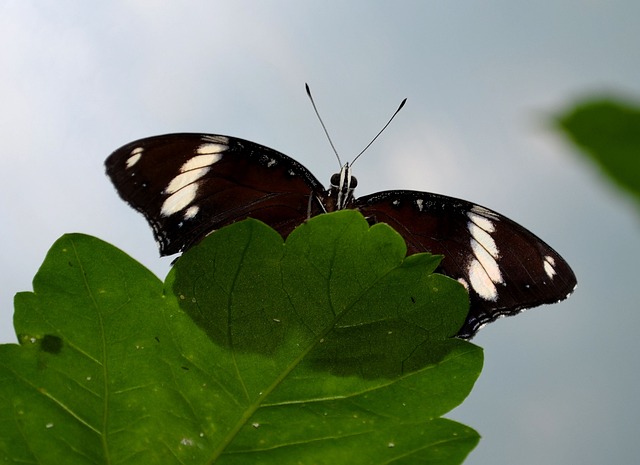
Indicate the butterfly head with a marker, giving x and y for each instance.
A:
(342, 187)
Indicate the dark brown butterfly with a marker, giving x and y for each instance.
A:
(188, 185)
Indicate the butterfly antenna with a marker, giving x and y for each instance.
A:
(322, 123)
(381, 130)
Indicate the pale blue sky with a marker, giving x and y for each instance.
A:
(79, 79)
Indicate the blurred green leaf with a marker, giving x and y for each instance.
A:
(331, 348)
(608, 131)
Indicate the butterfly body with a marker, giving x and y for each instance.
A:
(188, 185)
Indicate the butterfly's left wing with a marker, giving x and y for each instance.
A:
(505, 267)
(188, 185)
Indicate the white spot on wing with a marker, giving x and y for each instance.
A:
(420, 204)
(211, 148)
(179, 200)
(484, 271)
(481, 221)
(134, 157)
(191, 212)
(183, 188)
(488, 263)
(483, 238)
(480, 281)
(549, 266)
(200, 161)
(185, 179)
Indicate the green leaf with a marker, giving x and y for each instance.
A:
(609, 133)
(331, 348)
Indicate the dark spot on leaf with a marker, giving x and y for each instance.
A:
(185, 368)
(413, 300)
(157, 339)
(51, 344)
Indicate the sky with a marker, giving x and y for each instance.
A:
(483, 80)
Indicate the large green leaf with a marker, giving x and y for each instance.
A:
(608, 131)
(331, 348)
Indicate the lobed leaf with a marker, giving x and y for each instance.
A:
(329, 348)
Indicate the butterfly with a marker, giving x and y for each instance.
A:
(188, 185)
